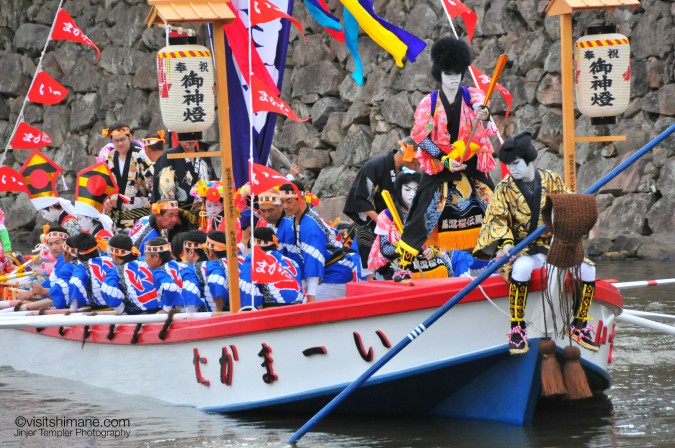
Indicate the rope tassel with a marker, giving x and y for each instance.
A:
(574, 376)
(551, 376)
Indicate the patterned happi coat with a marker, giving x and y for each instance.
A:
(195, 290)
(169, 285)
(508, 217)
(84, 286)
(270, 294)
(130, 287)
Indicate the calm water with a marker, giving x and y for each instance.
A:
(638, 411)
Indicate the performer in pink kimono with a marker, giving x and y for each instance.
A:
(443, 122)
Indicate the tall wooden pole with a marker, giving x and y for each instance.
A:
(227, 179)
(567, 75)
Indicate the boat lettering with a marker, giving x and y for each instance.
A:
(196, 361)
(269, 377)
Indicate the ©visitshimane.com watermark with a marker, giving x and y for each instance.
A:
(47, 426)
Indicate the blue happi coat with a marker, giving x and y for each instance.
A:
(141, 232)
(168, 285)
(285, 292)
(130, 287)
(195, 290)
(314, 247)
(58, 291)
(84, 286)
(217, 280)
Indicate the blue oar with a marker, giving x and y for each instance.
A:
(461, 294)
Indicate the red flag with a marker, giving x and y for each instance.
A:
(266, 269)
(10, 180)
(484, 80)
(264, 11)
(265, 100)
(237, 37)
(46, 90)
(264, 178)
(456, 8)
(66, 29)
(28, 137)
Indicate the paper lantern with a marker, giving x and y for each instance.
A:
(186, 89)
(602, 75)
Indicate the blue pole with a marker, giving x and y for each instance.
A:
(461, 294)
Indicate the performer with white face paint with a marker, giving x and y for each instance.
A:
(455, 187)
(431, 262)
(514, 212)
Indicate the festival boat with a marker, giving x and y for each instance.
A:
(296, 358)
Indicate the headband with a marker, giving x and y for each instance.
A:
(214, 245)
(123, 252)
(157, 249)
(115, 132)
(71, 250)
(87, 251)
(408, 151)
(192, 245)
(269, 199)
(57, 234)
(291, 194)
(263, 243)
(150, 141)
(157, 207)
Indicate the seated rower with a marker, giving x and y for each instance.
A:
(165, 274)
(278, 293)
(58, 290)
(308, 240)
(196, 294)
(129, 288)
(84, 286)
(217, 270)
(178, 250)
(270, 209)
(54, 238)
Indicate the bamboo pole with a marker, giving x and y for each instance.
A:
(567, 77)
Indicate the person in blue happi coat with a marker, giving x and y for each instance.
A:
(196, 293)
(217, 269)
(129, 287)
(308, 240)
(58, 290)
(277, 293)
(84, 286)
(165, 274)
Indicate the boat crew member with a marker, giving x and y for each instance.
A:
(271, 211)
(364, 202)
(308, 240)
(129, 163)
(443, 117)
(43, 196)
(279, 293)
(59, 289)
(161, 223)
(54, 238)
(165, 274)
(514, 212)
(129, 287)
(84, 286)
(178, 250)
(196, 294)
(179, 175)
(217, 270)
(153, 146)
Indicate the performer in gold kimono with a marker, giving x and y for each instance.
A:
(514, 212)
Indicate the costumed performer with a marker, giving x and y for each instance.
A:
(217, 269)
(445, 116)
(162, 223)
(364, 202)
(514, 212)
(196, 294)
(84, 286)
(39, 173)
(95, 185)
(165, 274)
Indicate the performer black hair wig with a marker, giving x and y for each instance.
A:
(449, 55)
(518, 146)
(404, 178)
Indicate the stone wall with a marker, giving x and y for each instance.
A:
(349, 123)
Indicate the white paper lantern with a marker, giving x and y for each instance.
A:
(186, 88)
(602, 74)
